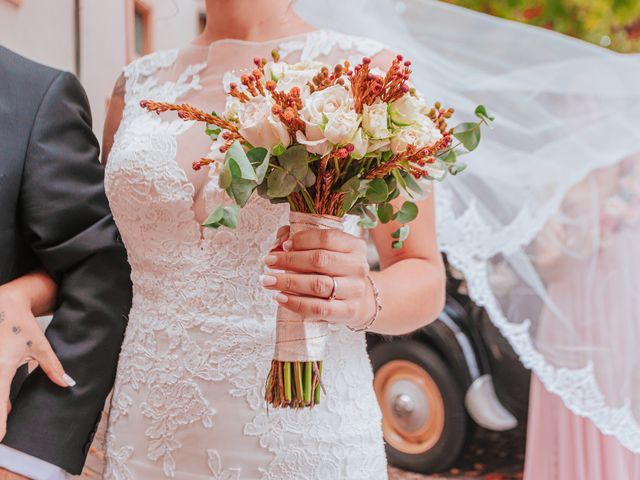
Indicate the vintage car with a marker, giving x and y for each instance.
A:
(437, 384)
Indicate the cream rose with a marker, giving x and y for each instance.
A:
(420, 135)
(259, 126)
(374, 120)
(298, 75)
(407, 110)
(319, 108)
(341, 127)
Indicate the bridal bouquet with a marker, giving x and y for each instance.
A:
(329, 141)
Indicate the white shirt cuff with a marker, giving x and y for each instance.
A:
(29, 466)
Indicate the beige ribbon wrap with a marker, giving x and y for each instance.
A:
(297, 339)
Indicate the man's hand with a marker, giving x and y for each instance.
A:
(22, 340)
(7, 475)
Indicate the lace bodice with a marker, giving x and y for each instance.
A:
(200, 335)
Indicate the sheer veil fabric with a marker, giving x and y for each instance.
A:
(545, 222)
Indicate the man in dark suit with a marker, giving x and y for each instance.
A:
(55, 221)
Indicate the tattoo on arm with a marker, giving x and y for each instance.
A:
(2, 317)
(16, 329)
(119, 88)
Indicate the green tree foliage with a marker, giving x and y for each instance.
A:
(610, 23)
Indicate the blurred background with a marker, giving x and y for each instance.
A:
(95, 39)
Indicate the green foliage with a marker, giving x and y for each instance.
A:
(596, 21)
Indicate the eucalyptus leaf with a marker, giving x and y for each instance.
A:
(278, 150)
(411, 183)
(377, 191)
(407, 213)
(468, 134)
(259, 158)
(240, 190)
(237, 155)
(385, 212)
(225, 177)
(213, 220)
(401, 233)
(482, 113)
(349, 201)
(351, 185)
(309, 179)
(223, 216)
(450, 156)
(457, 168)
(296, 161)
(280, 183)
(394, 194)
(230, 216)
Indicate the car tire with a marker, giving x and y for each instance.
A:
(424, 419)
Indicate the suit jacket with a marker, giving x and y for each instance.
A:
(54, 214)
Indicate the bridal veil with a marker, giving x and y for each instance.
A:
(545, 222)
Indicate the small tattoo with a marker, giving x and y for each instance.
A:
(119, 88)
(2, 317)
(16, 329)
(29, 343)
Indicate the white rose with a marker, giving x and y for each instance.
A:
(420, 135)
(360, 143)
(374, 120)
(325, 103)
(341, 127)
(320, 107)
(259, 126)
(407, 110)
(298, 75)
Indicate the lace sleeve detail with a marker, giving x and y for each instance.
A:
(323, 42)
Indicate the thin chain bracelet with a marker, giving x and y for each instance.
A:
(376, 296)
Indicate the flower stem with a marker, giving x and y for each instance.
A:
(308, 374)
(287, 381)
(317, 392)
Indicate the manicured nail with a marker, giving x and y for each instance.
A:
(268, 280)
(276, 244)
(68, 380)
(270, 259)
(282, 298)
(288, 245)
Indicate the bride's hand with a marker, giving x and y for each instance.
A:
(313, 260)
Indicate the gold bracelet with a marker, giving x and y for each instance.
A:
(376, 296)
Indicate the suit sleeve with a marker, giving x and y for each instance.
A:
(66, 219)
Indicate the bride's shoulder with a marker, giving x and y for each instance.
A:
(148, 64)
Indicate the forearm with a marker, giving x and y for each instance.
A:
(412, 294)
(36, 288)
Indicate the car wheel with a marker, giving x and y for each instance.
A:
(423, 416)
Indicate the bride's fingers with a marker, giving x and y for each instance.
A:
(330, 239)
(320, 286)
(281, 235)
(318, 261)
(335, 311)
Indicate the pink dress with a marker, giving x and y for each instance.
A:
(560, 444)
(564, 446)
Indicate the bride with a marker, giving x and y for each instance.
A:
(188, 399)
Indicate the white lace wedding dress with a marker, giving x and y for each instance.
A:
(188, 401)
